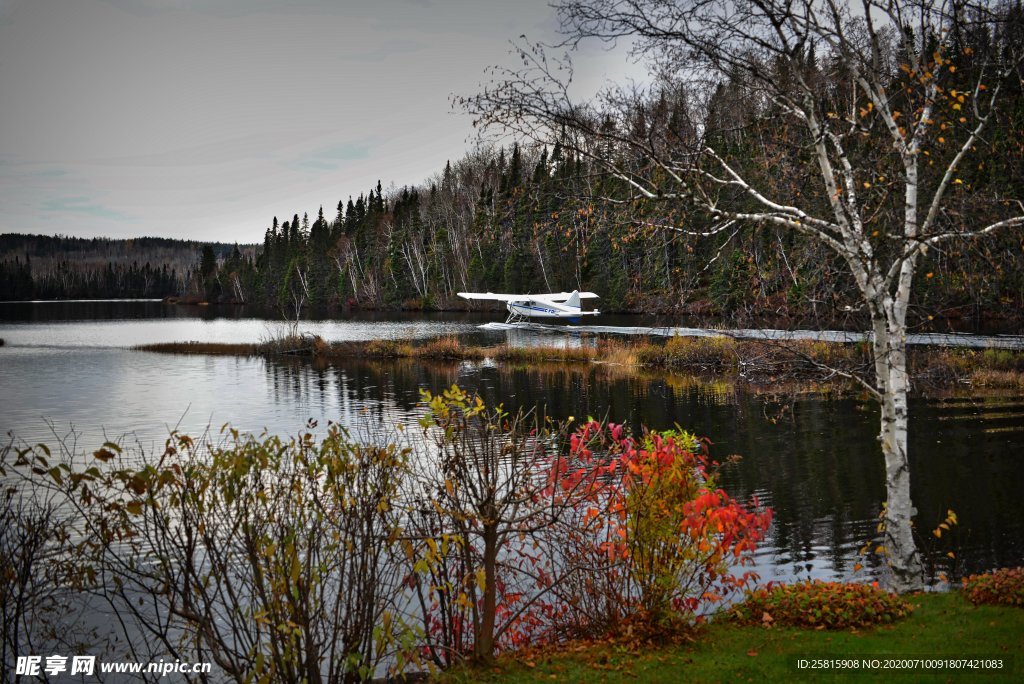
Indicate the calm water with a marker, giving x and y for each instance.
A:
(816, 462)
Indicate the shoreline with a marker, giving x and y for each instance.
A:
(958, 320)
(757, 362)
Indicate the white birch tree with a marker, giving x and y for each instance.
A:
(880, 105)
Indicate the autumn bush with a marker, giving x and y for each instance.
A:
(649, 538)
(543, 354)
(39, 568)
(387, 349)
(279, 557)
(538, 531)
(471, 527)
(716, 351)
(1003, 587)
(343, 558)
(832, 354)
(821, 605)
(444, 348)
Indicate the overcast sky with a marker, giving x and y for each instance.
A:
(203, 119)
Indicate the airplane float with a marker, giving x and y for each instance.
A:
(552, 305)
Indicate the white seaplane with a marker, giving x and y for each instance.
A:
(552, 305)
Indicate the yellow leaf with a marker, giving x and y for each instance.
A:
(956, 106)
(481, 579)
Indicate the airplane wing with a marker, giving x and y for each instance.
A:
(494, 297)
(562, 296)
(552, 297)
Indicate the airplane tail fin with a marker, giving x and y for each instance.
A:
(574, 299)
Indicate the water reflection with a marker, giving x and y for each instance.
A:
(815, 461)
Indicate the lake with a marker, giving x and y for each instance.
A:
(66, 370)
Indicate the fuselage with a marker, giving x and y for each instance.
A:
(535, 310)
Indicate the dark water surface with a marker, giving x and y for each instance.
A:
(814, 460)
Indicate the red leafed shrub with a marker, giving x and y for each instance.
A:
(531, 533)
(998, 588)
(821, 605)
(656, 536)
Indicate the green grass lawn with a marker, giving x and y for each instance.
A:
(941, 626)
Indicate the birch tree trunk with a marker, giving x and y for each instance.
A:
(892, 379)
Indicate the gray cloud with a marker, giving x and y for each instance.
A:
(391, 49)
(208, 117)
(83, 206)
(334, 156)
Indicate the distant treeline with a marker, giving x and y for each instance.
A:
(59, 267)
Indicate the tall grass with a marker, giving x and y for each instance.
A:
(720, 354)
(542, 354)
(209, 348)
(993, 368)
(447, 348)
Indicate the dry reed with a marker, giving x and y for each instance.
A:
(754, 360)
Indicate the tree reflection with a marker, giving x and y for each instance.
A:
(812, 458)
